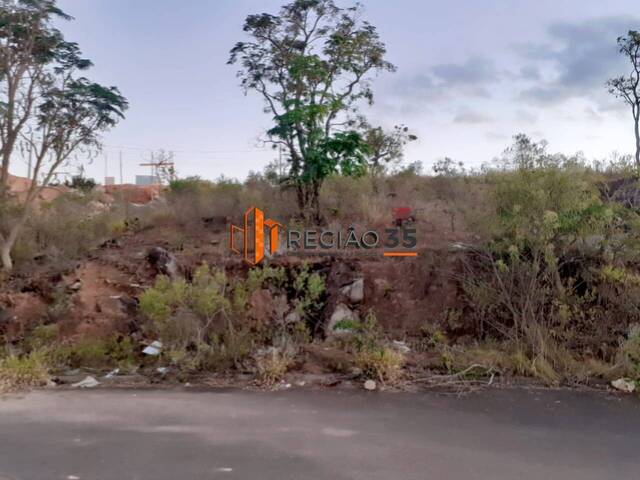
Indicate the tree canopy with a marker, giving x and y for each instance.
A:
(312, 64)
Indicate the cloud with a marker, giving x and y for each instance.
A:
(525, 116)
(445, 81)
(582, 56)
(474, 71)
(471, 117)
(496, 136)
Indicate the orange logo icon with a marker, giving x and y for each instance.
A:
(253, 236)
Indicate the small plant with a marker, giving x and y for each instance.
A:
(95, 353)
(629, 353)
(272, 366)
(184, 313)
(432, 336)
(43, 336)
(25, 371)
(381, 363)
(377, 360)
(309, 288)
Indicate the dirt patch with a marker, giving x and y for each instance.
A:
(20, 313)
(100, 299)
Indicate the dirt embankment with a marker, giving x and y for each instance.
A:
(99, 296)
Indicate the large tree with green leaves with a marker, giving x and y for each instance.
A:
(312, 63)
(627, 87)
(47, 107)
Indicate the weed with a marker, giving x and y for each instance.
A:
(381, 363)
(272, 366)
(95, 353)
(24, 371)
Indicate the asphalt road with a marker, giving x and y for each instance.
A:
(179, 435)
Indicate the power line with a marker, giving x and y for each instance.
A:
(123, 147)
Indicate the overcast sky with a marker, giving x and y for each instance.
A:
(470, 75)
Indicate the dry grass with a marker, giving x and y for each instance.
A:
(20, 372)
(272, 366)
(382, 364)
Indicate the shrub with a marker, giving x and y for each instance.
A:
(184, 313)
(92, 352)
(65, 230)
(558, 266)
(380, 363)
(81, 183)
(629, 353)
(24, 371)
(272, 366)
(372, 354)
(207, 323)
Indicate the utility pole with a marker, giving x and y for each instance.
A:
(30, 153)
(121, 182)
(106, 169)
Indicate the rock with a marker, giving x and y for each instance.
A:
(624, 385)
(163, 261)
(292, 317)
(342, 313)
(370, 385)
(401, 346)
(88, 382)
(261, 305)
(355, 291)
(153, 349)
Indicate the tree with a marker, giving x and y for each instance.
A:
(627, 87)
(311, 64)
(386, 146)
(60, 112)
(447, 167)
(28, 43)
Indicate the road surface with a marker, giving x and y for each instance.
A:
(306, 434)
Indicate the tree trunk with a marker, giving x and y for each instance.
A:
(637, 132)
(14, 233)
(315, 202)
(5, 254)
(4, 173)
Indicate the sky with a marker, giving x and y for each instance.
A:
(470, 75)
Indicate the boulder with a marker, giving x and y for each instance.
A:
(624, 385)
(163, 261)
(342, 313)
(354, 291)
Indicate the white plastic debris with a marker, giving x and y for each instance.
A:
(88, 382)
(624, 385)
(401, 346)
(370, 385)
(112, 373)
(153, 349)
(162, 370)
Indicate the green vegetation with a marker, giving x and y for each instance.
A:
(209, 322)
(25, 371)
(311, 64)
(50, 108)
